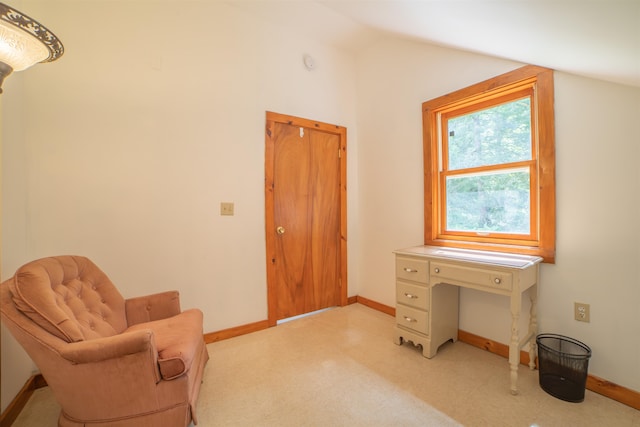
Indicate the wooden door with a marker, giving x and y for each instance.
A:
(305, 203)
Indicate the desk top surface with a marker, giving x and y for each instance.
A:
(503, 259)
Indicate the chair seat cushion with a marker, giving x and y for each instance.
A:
(177, 338)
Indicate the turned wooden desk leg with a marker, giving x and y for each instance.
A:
(514, 345)
(533, 325)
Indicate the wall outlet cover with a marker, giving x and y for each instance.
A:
(581, 312)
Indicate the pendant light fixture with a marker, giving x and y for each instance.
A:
(24, 42)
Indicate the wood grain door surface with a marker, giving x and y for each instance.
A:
(305, 209)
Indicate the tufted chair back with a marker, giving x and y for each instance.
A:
(70, 297)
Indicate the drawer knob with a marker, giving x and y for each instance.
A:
(410, 270)
(410, 296)
(497, 280)
(437, 270)
(409, 319)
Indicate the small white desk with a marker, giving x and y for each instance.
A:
(421, 272)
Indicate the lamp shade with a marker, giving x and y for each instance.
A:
(24, 42)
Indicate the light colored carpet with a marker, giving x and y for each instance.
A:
(341, 368)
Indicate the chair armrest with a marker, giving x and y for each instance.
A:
(101, 349)
(152, 307)
(120, 374)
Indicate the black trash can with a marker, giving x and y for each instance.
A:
(563, 363)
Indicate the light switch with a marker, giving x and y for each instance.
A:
(226, 208)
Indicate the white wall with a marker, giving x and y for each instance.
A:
(153, 116)
(13, 176)
(598, 198)
(16, 365)
(598, 206)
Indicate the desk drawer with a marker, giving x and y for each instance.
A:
(413, 295)
(441, 272)
(412, 318)
(413, 269)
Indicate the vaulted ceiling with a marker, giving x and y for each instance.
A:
(594, 38)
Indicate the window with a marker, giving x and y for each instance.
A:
(489, 161)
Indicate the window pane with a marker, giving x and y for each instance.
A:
(497, 135)
(490, 202)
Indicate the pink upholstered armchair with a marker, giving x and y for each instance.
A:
(109, 361)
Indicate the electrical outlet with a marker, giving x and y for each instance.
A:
(226, 208)
(581, 312)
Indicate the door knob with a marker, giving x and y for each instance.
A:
(280, 230)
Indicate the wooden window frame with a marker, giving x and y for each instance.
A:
(541, 242)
